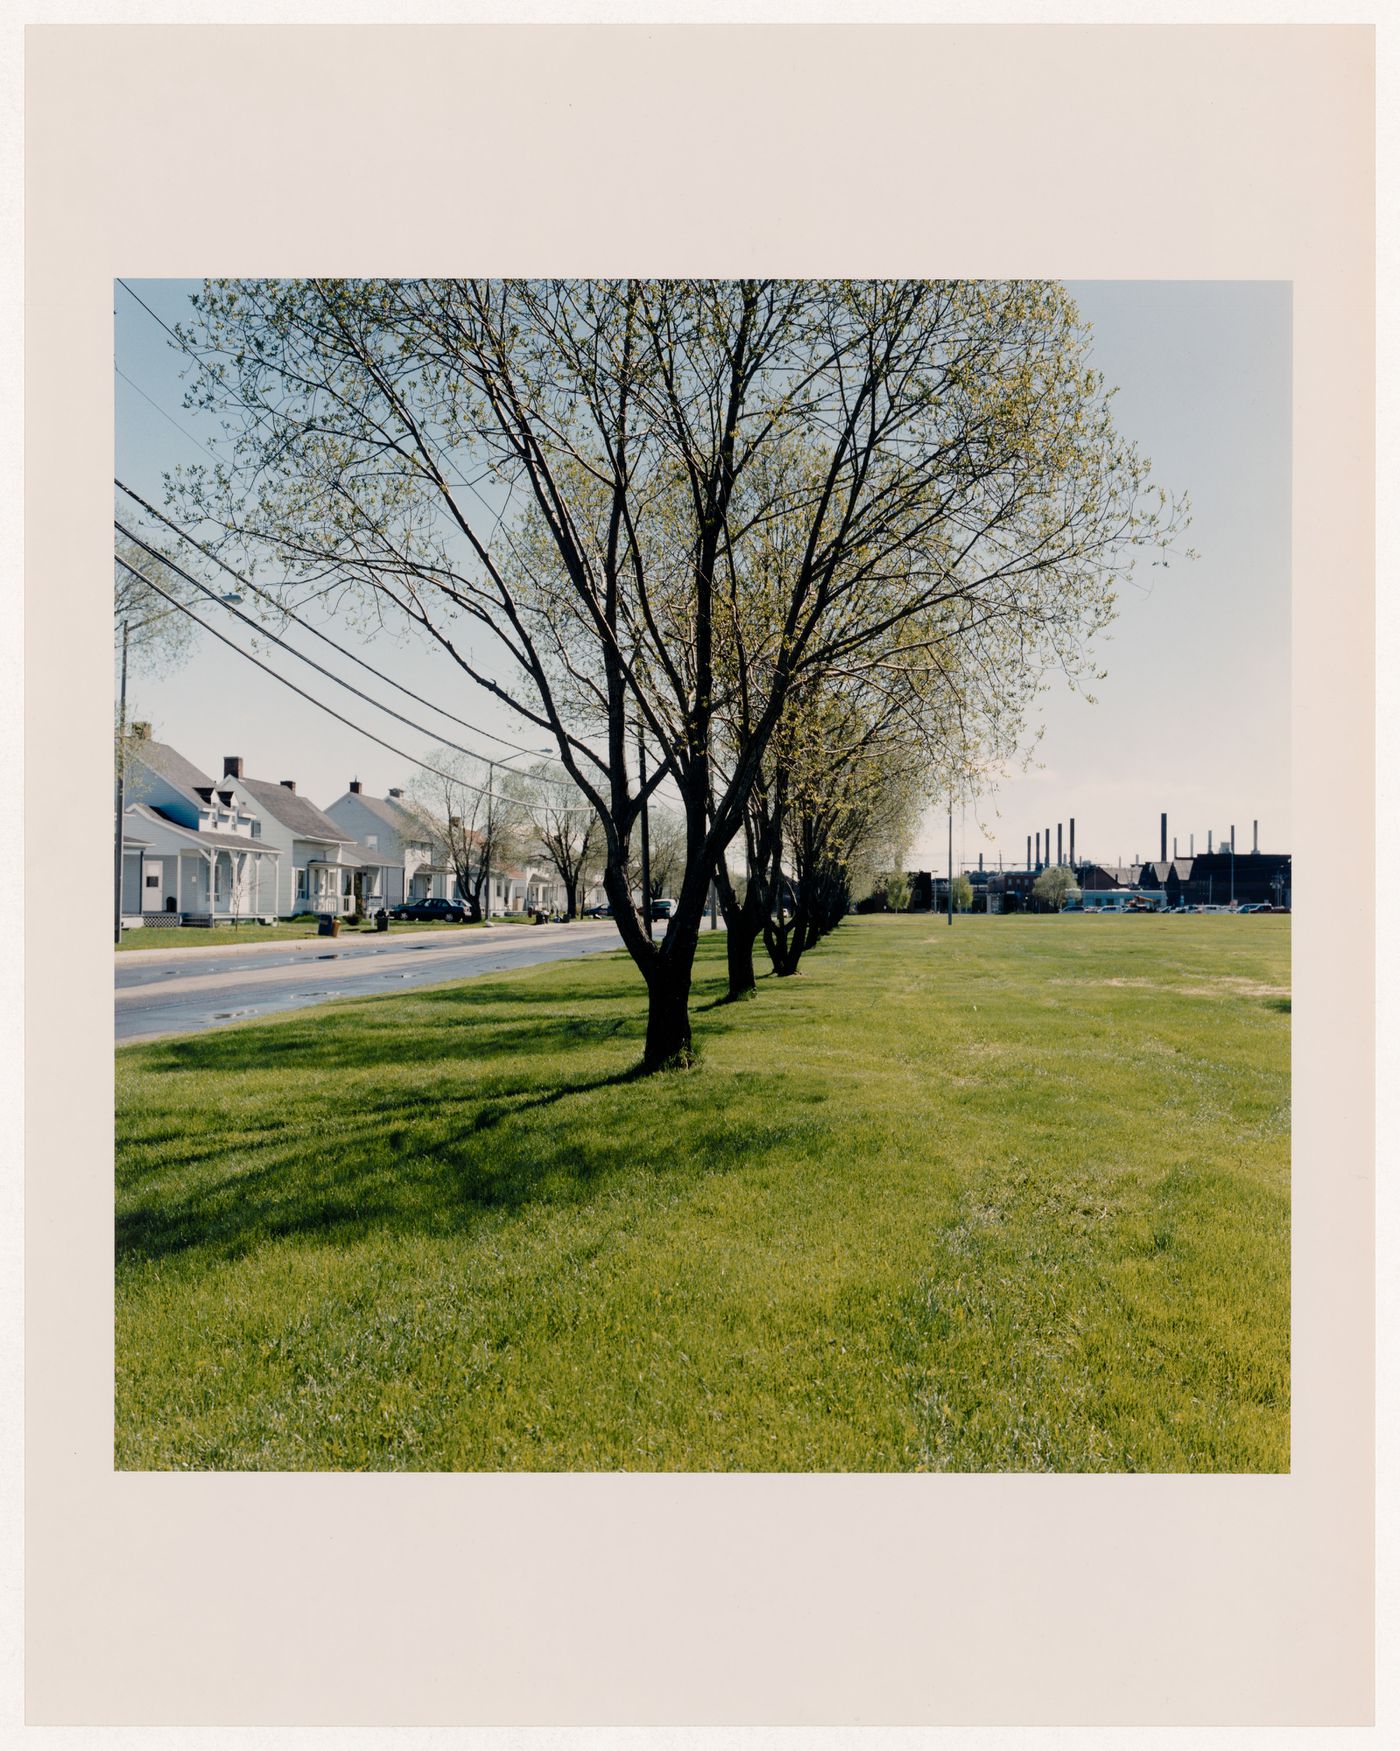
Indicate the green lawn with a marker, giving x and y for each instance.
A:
(1007, 1196)
(290, 930)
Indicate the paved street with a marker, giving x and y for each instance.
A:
(181, 991)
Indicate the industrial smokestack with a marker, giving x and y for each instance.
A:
(1059, 842)
(1232, 838)
(1164, 838)
(1071, 840)
(979, 863)
(1173, 847)
(1037, 851)
(1028, 851)
(1210, 841)
(1047, 845)
(1256, 838)
(1193, 845)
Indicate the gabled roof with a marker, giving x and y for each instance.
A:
(224, 841)
(294, 812)
(173, 767)
(403, 820)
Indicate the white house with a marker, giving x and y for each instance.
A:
(193, 850)
(322, 867)
(417, 866)
(389, 828)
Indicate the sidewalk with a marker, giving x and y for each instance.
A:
(317, 944)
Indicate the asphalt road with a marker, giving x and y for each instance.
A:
(182, 991)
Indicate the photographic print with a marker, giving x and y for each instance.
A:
(703, 875)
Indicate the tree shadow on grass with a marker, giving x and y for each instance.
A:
(475, 1106)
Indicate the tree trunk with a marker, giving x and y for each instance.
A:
(740, 936)
(742, 924)
(668, 1017)
(571, 899)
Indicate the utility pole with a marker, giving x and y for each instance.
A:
(490, 847)
(121, 793)
(232, 599)
(950, 857)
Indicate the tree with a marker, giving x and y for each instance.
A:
(666, 852)
(581, 475)
(157, 634)
(567, 833)
(962, 894)
(473, 823)
(897, 890)
(1055, 885)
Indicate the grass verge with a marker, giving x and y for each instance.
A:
(224, 935)
(1010, 1196)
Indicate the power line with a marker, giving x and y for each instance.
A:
(184, 432)
(163, 559)
(325, 638)
(185, 347)
(413, 760)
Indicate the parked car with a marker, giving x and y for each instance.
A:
(597, 911)
(429, 911)
(661, 908)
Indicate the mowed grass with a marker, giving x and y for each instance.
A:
(1008, 1196)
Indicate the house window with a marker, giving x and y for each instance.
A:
(152, 881)
(301, 884)
(372, 840)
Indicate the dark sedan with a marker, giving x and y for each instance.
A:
(430, 911)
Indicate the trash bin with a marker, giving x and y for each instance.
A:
(328, 925)
(381, 919)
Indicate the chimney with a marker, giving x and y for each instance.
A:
(290, 784)
(1173, 847)
(1210, 841)
(1164, 838)
(140, 732)
(1193, 845)
(355, 787)
(233, 766)
(1232, 838)
(1256, 838)
(395, 793)
(1071, 841)
(979, 862)
(1037, 851)
(1047, 845)
(1059, 842)
(1028, 851)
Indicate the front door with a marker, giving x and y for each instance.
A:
(152, 885)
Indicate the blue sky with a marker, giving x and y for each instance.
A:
(1193, 717)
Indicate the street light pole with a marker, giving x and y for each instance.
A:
(950, 859)
(232, 600)
(121, 795)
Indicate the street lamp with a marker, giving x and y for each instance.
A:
(950, 859)
(232, 599)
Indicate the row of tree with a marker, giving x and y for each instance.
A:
(803, 551)
(482, 818)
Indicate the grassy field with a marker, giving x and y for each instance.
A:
(1008, 1196)
(289, 930)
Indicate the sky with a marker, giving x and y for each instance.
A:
(1191, 719)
